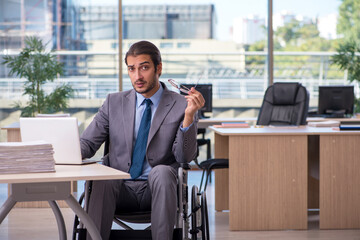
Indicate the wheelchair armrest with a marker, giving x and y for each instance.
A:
(185, 166)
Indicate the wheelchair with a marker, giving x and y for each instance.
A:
(198, 215)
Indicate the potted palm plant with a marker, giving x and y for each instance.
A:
(348, 59)
(38, 67)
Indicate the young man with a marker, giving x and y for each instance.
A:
(150, 130)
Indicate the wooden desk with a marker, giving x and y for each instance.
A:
(206, 122)
(342, 120)
(56, 186)
(13, 132)
(268, 177)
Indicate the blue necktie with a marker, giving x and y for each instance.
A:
(140, 144)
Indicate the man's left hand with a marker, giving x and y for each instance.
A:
(195, 102)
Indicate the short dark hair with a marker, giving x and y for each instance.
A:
(145, 47)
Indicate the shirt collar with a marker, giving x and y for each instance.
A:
(155, 99)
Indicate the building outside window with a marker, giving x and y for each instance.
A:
(218, 43)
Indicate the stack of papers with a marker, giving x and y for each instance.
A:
(26, 157)
(233, 125)
(285, 126)
(330, 123)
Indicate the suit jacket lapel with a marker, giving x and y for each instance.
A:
(165, 105)
(129, 118)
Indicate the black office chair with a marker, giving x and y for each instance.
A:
(204, 142)
(198, 213)
(283, 104)
(203, 165)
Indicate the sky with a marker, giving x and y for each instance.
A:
(227, 10)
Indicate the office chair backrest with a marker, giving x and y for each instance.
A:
(284, 104)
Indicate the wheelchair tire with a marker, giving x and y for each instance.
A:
(199, 215)
(205, 217)
(195, 206)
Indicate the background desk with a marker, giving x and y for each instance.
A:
(206, 122)
(268, 177)
(56, 186)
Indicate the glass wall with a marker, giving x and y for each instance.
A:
(83, 35)
(234, 58)
(219, 42)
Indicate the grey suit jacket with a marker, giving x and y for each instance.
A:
(115, 120)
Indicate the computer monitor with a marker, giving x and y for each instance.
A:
(336, 101)
(206, 91)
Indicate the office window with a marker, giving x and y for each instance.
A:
(183, 45)
(114, 45)
(223, 44)
(231, 42)
(84, 34)
(166, 45)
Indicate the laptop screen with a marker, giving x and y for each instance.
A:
(62, 133)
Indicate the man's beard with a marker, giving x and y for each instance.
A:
(150, 87)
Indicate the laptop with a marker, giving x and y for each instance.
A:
(61, 132)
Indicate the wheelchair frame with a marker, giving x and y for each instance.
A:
(182, 230)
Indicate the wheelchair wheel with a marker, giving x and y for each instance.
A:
(204, 217)
(199, 215)
(195, 216)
